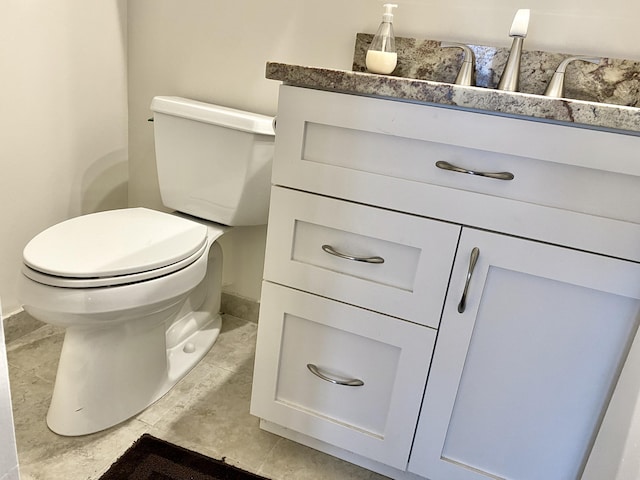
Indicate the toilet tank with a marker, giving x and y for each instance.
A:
(213, 162)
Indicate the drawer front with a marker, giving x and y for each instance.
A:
(385, 261)
(348, 137)
(388, 359)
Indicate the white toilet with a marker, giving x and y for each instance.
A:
(138, 290)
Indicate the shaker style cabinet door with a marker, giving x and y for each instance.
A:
(340, 374)
(530, 347)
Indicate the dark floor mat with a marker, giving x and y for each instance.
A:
(150, 458)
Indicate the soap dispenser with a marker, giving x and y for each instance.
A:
(382, 56)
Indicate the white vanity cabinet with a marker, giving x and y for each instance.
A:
(516, 243)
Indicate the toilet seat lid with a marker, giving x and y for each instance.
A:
(114, 243)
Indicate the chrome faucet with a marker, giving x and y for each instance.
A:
(510, 79)
(467, 73)
(556, 84)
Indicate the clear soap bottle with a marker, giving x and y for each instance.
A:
(382, 56)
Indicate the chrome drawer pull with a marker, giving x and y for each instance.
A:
(475, 253)
(332, 251)
(496, 175)
(349, 383)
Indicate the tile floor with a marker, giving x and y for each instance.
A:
(208, 411)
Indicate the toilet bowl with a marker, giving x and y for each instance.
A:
(138, 290)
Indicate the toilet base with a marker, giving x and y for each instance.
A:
(186, 355)
(123, 379)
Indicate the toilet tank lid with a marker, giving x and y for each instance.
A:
(214, 114)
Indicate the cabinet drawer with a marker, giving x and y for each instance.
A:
(385, 261)
(388, 157)
(390, 357)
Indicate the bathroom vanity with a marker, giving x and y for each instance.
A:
(450, 293)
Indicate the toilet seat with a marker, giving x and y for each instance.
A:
(112, 248)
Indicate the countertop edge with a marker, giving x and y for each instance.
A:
(617, 118)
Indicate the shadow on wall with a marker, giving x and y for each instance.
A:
(104, 185)
(121, 6)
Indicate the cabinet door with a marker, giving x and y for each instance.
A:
(521, 378)
(384, 360)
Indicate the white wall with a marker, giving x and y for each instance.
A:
(216, 52)
(63, 138)
(63, 119)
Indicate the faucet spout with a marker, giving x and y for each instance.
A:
(510, 79)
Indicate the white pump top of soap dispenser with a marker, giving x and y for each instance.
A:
(388, 12)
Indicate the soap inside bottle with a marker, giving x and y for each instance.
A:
(381, 56)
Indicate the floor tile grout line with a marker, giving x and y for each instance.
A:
(268, 455)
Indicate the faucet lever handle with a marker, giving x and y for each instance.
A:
(467, 73)
(556, 84)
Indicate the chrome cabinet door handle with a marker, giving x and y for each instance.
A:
(348, 383)
(333, 251)
(453, 168)
(475, 253)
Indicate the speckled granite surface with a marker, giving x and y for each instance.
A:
(613, 81)
(606, 96)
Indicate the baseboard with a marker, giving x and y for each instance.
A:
(18, 325)
(240, 307)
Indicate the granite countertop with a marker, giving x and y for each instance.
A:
(588, 113)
